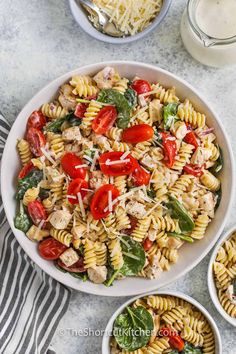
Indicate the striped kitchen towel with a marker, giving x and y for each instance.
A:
(31, 302)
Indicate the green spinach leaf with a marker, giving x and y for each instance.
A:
(190, 349)
(22, 221)
(31, 180)
(43, 193)
(133, 329)
(181, 237)
(169, 115)
(151, 193)
(234, 286)
(134, 256)
(122, 105)
(73, 120)
(131, 97)
(218, 194)
(111, 276)
(178, 211)
(55, 125)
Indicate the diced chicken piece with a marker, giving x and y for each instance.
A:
(230, 294)
(189, 202)
(180, 130)
(201, 155)
(60, 219)
(207, 203)
(152, 233)
(98, 179)
(66, 98)
(69, 257)
(72, 133)
(106, 78)
(78, 231)
(97, 274)
(52, 174)
(155, 110)
(174, 243)
(37, 234)
(148, 162)
(153, 270)
(136, 209)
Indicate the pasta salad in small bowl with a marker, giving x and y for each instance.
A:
(120, 178)
(161, 322)
(222, 276)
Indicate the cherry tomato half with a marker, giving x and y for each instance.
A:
(69, 162)
(37, 140)
(137, 133)
(195, 170)
(140, 177)
(99, 201)
(36, 120)
(25, 170)
(147, 244)
(170, 149)
(77, 267)
(51, 249)
(104, 120)
(175, 341)
(111, 164)
(141, 86)
(80, 110)
(75, 187)
(190, 138)
(37, 212)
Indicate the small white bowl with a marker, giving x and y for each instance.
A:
(109, 327)
(82, 19)
(210, 279)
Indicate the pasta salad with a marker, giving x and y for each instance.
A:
(224, 270)
(162, 324)
(117, 175)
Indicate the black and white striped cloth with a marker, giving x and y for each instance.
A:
(31, 302)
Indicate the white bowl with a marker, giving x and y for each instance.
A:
(190, 254)
(109, 327)
(83, 21)
(211, 282)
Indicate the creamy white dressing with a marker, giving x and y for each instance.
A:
(217, 18)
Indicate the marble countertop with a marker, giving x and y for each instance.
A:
(39, 40)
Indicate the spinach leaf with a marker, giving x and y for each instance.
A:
(82, 276)
(219, 162)
(151, 193)
(190, 349)
(133, 255)
(55, 125)
(111, 276)
(31, 180)
(218, 194)
(89, 153)
(122, 105)
(234, 286)
(43, 193)
(73, 120)
(131, 97)
(169, 115)
(133, 329)
(181, 237)
(178, 211)
(22, 221)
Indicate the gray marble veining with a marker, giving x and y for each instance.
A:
(39, 40)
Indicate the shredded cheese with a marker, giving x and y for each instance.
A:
(81, 166)
(109, 201)
(115, 162)
(125, 154)
(48, 154)
(80, 200)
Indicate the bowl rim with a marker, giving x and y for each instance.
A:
(113, 40)
(210, 279)
(120, 309)
(91, 67)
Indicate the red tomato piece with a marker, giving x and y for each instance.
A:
(51, 249)
(36, 120)
(190, 138)
(175, 341)
(195, 170)
(140, 176)
(80, 110)
(112, 165)
(77, 186)
(99, 201)
(137, 133)
(104, 120)
(37, 140)
(37, 213)
(77, 267)
(147, 244)
(141, 86)
(25, 170)
(170, 149)
(69, 162)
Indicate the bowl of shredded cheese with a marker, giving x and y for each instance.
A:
(135, 18)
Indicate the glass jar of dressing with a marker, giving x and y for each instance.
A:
(208, 30)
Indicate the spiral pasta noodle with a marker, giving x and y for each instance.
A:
(116, 256)
(83, 86)
(90, 258)
(53, 111)
(24, 151)
(61, 236)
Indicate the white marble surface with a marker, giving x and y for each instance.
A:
(39, 40)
